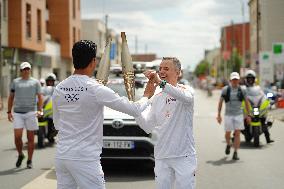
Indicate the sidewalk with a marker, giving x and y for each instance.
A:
(3, 114)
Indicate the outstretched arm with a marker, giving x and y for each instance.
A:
(107, 97)
(147, 120)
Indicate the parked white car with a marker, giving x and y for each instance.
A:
(122, 137)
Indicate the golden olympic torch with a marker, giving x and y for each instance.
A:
(104, 66)
(127, 69)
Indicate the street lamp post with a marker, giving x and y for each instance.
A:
(243, 35)
(1, 63)
(106, 26)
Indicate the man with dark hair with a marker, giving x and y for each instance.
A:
(170, 118)
(78, 104)
(25, 91)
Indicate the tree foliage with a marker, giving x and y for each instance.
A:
(202, 68)
(232, 65)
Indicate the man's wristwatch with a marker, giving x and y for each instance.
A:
(163, 84)
(8, 112)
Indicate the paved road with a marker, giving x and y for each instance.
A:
(10, 177)
(259, 168)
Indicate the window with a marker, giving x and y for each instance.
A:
(39, 24)
(4, 8)
(28, 21)
(74, 9)
(74, 35)
(79, 34)
(79, 5)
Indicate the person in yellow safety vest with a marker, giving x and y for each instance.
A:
(252, 89)
(46, 123)
(50, 85)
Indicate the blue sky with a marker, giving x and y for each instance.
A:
(181, 28)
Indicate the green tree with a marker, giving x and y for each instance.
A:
(236, 61)
(202, 68)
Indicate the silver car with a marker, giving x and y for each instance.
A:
(122, 137)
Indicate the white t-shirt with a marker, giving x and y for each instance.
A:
(78, 105)
(171, 118)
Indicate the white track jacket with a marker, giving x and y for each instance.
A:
(78, 106)
(170, 117)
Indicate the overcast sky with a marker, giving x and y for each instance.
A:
(181, 28)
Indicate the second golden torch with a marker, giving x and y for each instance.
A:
(127, 69)
(104, 66)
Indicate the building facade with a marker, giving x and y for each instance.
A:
(267, 28)
(64, 27)
(213, 57)
(41, 32)
(4, 68)
(95, 30)
(26, 25)
(235, 36)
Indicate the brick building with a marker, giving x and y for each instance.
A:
(235, 36)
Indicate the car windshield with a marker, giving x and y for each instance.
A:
(119, 87)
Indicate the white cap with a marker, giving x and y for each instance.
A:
(234, 75)
(25, 65)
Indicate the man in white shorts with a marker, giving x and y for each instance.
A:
(26, 97)
(170, 118)
(233, 95)
(78, 105)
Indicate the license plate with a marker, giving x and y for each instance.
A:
(120, 144)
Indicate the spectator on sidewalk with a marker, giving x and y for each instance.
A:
(26, 98)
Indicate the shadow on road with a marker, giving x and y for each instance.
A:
(249, 145)
(120, 171)
(12, 171)
(51, 174)
(25, 147)
(128, 171)
(222, 161)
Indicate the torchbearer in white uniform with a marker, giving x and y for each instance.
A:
(170, 118)
(78, 105)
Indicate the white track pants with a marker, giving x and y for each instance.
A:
(83, 174)
(178, 172)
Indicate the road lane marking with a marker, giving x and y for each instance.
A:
(47, 180)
